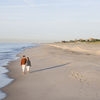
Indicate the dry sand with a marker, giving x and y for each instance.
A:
(89, 48)
(56, 74)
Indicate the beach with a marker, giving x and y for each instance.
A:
(56, 74)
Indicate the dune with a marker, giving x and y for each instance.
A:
(79, 47)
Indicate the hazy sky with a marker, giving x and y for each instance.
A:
(49, 19)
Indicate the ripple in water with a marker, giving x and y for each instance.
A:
(8, 53)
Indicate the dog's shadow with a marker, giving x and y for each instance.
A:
(48, 68)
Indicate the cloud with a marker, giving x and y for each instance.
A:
(13, 6)
(28, 2)
(31, 3)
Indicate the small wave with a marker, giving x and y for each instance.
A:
(5, 52)
(2, 95)
(8, 53)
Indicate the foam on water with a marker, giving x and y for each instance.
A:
(2, 95)
(8, 53)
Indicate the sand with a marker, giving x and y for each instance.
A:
(89, 48)
(56, 74)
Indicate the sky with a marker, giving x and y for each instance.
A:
(49, 20)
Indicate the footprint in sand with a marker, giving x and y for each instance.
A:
(79, 76)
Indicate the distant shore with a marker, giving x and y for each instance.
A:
(56, 74)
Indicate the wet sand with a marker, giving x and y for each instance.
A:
(56, 74)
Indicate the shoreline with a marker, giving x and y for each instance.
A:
(9, 73)
(9, 76)
(55, 74)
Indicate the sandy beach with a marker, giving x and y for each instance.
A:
(56, 74)
(89, 48)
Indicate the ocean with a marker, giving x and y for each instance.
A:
(8, 52)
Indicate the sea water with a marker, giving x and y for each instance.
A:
(8, 52)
